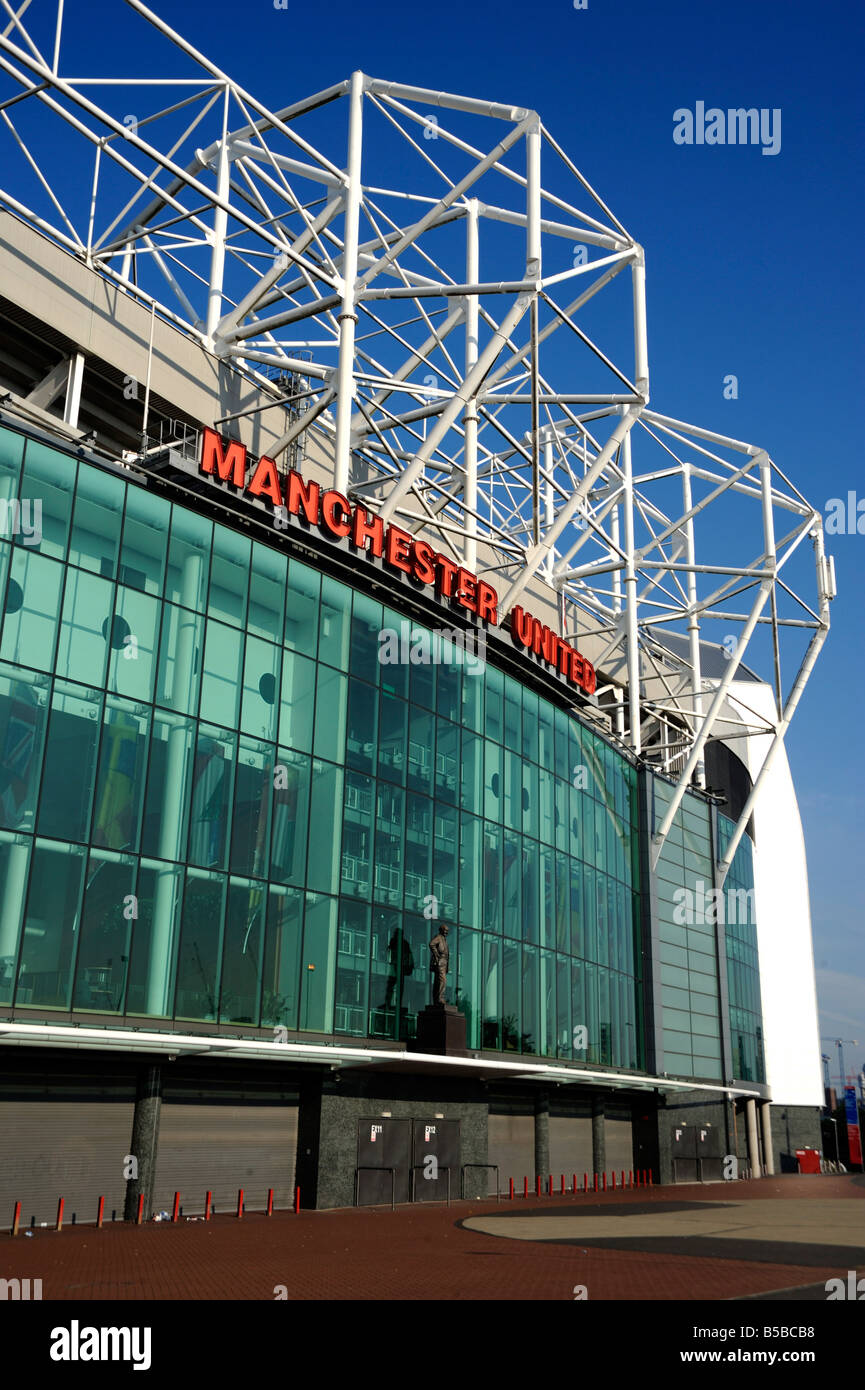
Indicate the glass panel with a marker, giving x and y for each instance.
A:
(110, 908)
(241, 961)
(180, 662)
(492, 996)
(531, 891)
(145, 541)
(352, 969)
(267, 585)
(471, 871)
(132, 649)
(546, 754)
(220, 685)
(48, 481)
(564, 1030)
(388, 861)
(290, 818)
(447, 760)
(188, 559)
(469, 994)
(281, 988)
(198, 959)
(422, 677)
(512, 866)
(250, 817)
(14, 866)
(493, 799)
(331, 713)
(366, 624)
(154, 939)
(210, 802)
(414, 969)
(357, 836)
(511, 998)
(23, 712)
(472, 701)
(11, 455)
(392, 674)
(445, 862)
(296, 702)
(513, 713)
(393, 733)
(96, 521)
(418, 847)
(530, 726)
(492, 877)
(388, 964)
(166, 806)
(229, 576)
(324, 817)
(70, 763)
(32, 610)
(301, 609)
(87, 628)
(361, 747)
(120, 782)
(420, 750)
(494, 723)
(318, 965)
(334, 623)
(259, 711)
(51, 926)
(449, 677)
(547, 1005)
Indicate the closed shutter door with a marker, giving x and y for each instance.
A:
(511, 1145)
(619, 1140)
(220, 1148)
(570, 1146)
(63, 1148)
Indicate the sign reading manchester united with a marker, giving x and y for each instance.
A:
(332, 513)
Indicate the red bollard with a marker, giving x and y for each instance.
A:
(59, 1226)
(575, 1184)
(207, 1201)
(563, 1184)
(596, 1182)
(16, 1217)
(604, 1181)
(630, 1177)
(175, 1210)
(614, 1179)
(585, 1182)
(99, 1213)
(623, 1177)
(240, 1201)
(537, 1184)
(270, 1201)
(525, 1187)
(650, 1178)
(511, 1191)
(297, 1201)
(140, 1214)
(551, 1185)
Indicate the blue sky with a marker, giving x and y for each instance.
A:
(754, 263)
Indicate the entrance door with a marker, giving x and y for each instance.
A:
(683, 1151)
(382, 1144)
(709, 1153)
(436, 1149)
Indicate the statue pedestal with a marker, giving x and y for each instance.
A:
(440, 1028)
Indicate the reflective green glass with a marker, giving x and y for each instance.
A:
(547, 871)
(169, 776)
(388, 859)
(546, 749)
(390, 960)
(229, 576)
(154, 939)
(420, 750)
(418, 851)
(123, 758)
(245, 916)
(48, 482)
(132, 647)
(469, 984)
(188, 559)
(414, 993)
(32, 610)
(259, 710)
(267, 585)
(472, 702)
(454, 663)
(491, 1004)
(14, 868)
(23, 720)
(493, 781)
(251, 809)
(352, 969)
(86, 629)
(221, 680)
(547, 1005)
(96, 521)
(422, 678)
(51, 926)
(447, 760)
(471, 771)
(181, 647)
(11, 457)
(110, 908)
(70, 763)
(494, 705)
(332, 714)
(325, 810)
(198, 958)
(392, 738)
(318, 964)
(334, 623)
(531, 891)
(471, 870)
(513, 715)
(366, 624)
(145, 541)
(513, 786)
(445, 862)
(210, 799)
(529, 800)
(290, 817)
(280, 995)
(302, 599)
(391, 675)
(296, 703)
(512, 1037)
(512, 915)
(492, 877)
(357, 836)
(579, 1013)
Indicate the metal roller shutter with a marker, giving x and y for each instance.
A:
(570, 1146)
(619, 1140)
(220, 1148)
(511, 1144)
(63, 1148)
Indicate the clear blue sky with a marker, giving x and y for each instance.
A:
(755, 263)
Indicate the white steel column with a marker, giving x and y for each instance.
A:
(768, 1148)
(348, 315)
(73, 389)
(470, 418)
(220, 230)
(617, 611)
(633, 646)
(641, 341)
(693, 620)
(753, 1140)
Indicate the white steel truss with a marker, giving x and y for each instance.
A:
(442, 284)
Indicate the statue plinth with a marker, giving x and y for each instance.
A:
(440, 1029)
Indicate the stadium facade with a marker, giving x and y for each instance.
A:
(282, 691)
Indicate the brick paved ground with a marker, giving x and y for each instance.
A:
(425, 1252)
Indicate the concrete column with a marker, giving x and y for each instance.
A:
(145, 1141)
(768, 1150)
(542, 1134)
(753, 1141)
(599, 1141)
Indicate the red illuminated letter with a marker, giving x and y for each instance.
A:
(213, 457)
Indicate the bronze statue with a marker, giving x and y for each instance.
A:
(439, 959)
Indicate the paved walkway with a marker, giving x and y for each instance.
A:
(656, 1244)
